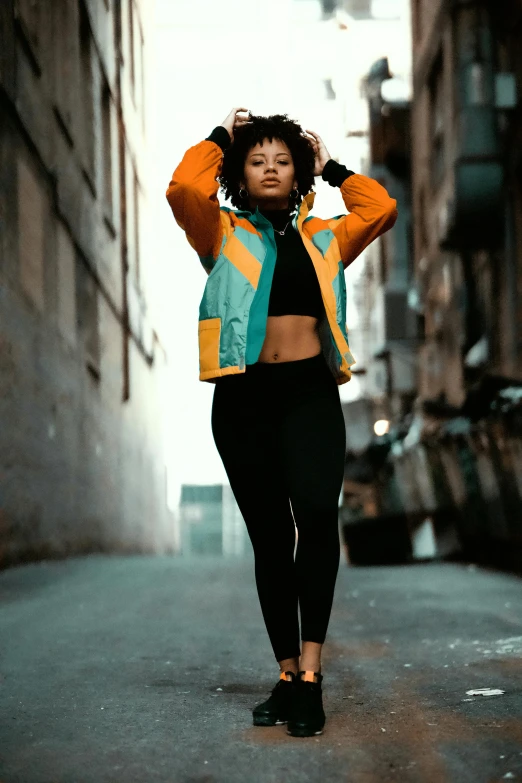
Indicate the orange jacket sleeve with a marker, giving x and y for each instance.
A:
(372, 212)
(192, 195)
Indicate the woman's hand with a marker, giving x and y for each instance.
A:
(321, 153)
(232, 121)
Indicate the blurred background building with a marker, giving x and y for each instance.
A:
(211, 522)
(82, 463)
(440, 300)
(466, 196)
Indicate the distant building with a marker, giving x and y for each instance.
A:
(81, 458)
(363, 9)
(210, 521)
(389, 327)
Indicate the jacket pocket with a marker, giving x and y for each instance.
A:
(209, 330)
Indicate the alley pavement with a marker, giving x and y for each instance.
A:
(142, 668)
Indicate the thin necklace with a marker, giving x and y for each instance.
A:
(283, 231)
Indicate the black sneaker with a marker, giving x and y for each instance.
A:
(307, 716)
(275, 709)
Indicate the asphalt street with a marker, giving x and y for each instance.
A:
(141, 668)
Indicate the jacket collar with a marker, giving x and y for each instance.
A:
(258, 219)
(305, 207)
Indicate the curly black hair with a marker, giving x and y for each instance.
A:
(276, 126)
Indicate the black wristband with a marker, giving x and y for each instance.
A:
(335, 173)
(220, 136)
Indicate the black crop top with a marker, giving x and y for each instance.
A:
(295, 288)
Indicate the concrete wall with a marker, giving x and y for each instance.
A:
(82, 372)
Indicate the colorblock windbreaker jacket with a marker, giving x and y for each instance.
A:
(237, 249)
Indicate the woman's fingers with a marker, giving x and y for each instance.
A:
(233, 121)
(315, 140)
(231, 116)
(240, 121)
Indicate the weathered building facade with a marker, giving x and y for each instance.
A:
(467, 205)
(81, 367)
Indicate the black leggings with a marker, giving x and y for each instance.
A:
(279, 429)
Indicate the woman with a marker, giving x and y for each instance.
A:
(272, 337)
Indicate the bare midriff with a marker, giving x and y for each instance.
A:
(289, 338)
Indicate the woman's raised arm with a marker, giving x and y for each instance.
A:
(372, 211)
(192, 191)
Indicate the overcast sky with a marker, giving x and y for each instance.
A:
(270, 56)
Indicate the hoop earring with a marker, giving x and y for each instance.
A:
(243, 194)
(294, 194)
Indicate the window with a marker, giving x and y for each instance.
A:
(136, 191)
(416, 20)
(329, 90)
(66, 293)
(410, 248)
(436, 91)
(106, 118)
(87, 316)
(28, 25)
(31, 234)
(86, 85)
(142, 85)
(131, 47)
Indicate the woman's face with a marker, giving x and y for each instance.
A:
(269, 175)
